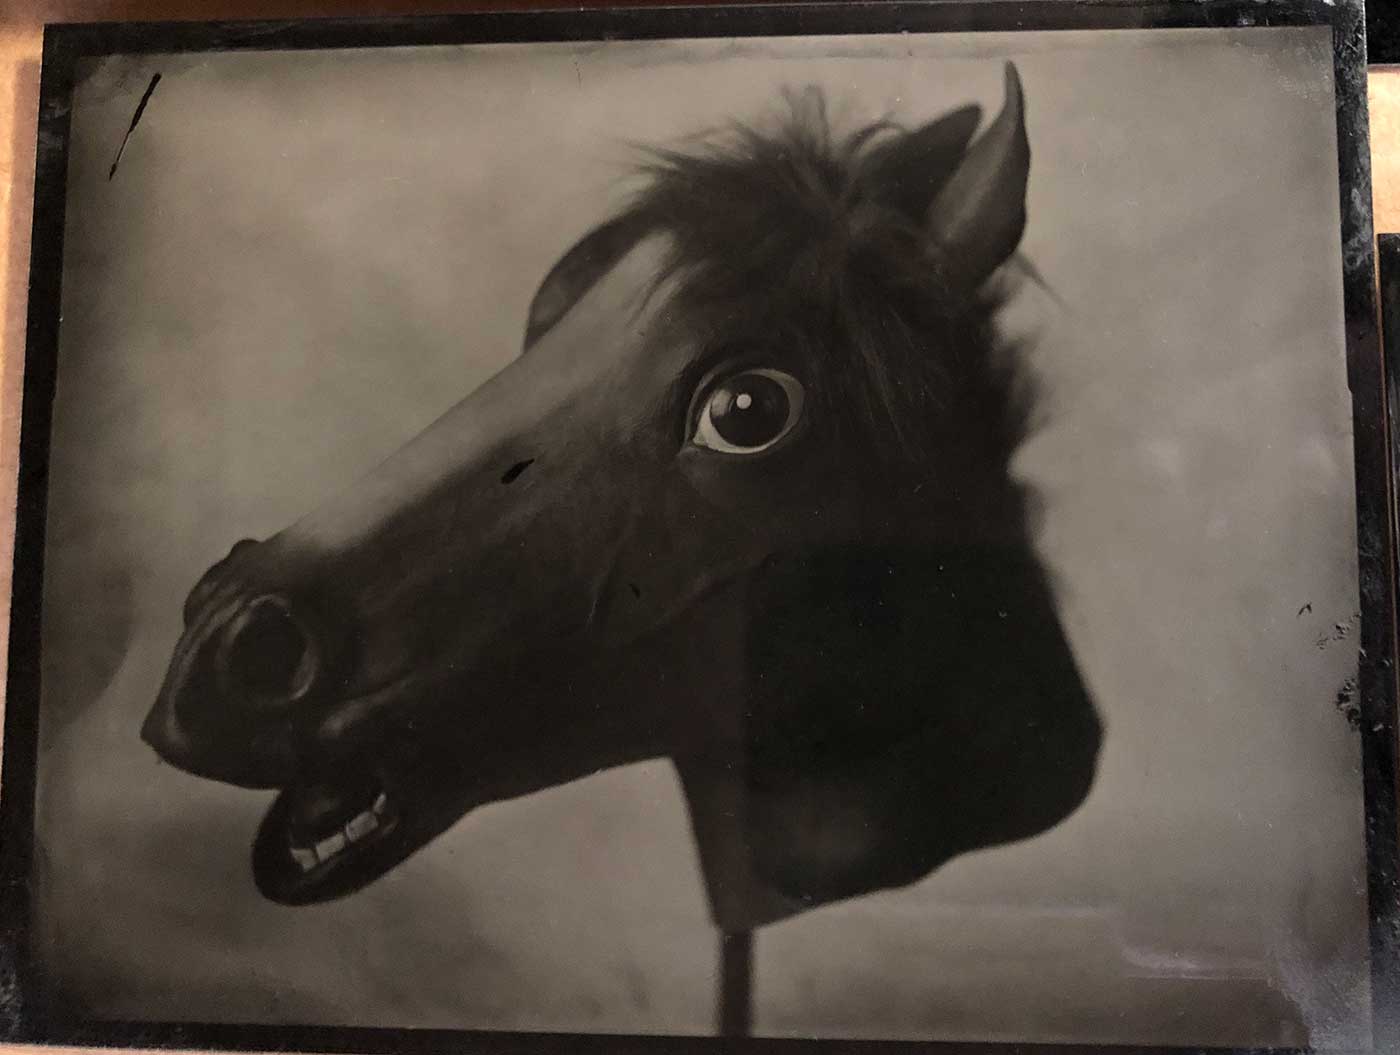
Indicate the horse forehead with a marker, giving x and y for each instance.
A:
(627, 304)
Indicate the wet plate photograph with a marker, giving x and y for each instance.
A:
(777, 527)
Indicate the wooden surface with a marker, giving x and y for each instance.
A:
(1385, 146)
(20, 38)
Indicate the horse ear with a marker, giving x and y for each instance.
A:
(906, 172)
(591, 257)
(978, 217)
(903, 708)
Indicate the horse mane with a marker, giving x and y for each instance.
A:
(786, 235)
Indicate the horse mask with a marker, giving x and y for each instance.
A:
(743, 502)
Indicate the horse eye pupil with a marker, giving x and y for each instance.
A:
(749, 410)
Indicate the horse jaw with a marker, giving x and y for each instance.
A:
(569, 726)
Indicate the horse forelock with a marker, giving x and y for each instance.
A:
(791, 230)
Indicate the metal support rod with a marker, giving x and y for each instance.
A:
(735, 983)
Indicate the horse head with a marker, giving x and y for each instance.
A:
(744, 501)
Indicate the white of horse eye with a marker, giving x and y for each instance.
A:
(749, 412)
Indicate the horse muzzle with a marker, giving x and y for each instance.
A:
(244, 680)
(246, 701)
(273, 686)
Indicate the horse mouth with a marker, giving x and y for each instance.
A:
(350, 820)
(316, 850)
(339, 830)
(386, 772)
(324, 839)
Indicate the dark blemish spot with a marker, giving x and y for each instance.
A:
(1306, 608)
(636, 591)
(1346, 703)
(1339, 632)
(513, 473)
(135, 120)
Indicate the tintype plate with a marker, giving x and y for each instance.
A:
(803, 527)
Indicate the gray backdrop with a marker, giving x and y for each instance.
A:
(304, 258)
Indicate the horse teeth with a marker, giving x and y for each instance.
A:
(361, 825)
(331, 845)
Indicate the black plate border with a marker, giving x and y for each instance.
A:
(27, 1014)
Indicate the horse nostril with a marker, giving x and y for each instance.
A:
(267, 656)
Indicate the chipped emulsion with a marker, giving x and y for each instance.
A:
(135, 120)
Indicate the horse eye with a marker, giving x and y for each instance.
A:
(749, 412)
